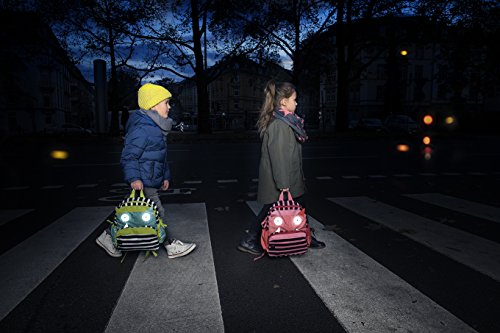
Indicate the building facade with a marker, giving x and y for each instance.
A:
(407, 66)
(40, 87)
(235, 93)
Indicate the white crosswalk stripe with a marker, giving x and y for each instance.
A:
(460, 205)
(25, 266)
(361, 293)
(473, 251)
(173, 293)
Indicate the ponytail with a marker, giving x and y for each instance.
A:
(274, 93)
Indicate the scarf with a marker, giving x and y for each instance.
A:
(165, 124)
(294, 121)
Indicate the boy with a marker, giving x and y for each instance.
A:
(144, 159)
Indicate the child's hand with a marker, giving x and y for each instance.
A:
(165, 185)
(137, 185)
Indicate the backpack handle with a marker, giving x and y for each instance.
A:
(133, 194)
(282, 195)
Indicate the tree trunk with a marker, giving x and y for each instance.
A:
(392, 94)
(200, 73)
(341, 116)
(114, 127)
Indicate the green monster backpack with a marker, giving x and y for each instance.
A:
(137, 225)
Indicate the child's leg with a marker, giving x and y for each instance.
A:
(152, 193)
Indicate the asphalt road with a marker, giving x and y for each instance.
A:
(395, 223)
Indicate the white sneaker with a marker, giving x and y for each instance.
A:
(104, 241)
(178, 249)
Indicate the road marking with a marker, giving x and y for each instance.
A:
(377, 176)
(476, 173)
(363, 295)
(122, 193)
(78, 165)
(451, 174)
(7, 215)
(176, 191)
(350, 177)
(255, 180)
(226, 181)
(52, 187)
(120, 184)
(86, 185)
(173, 294)
(16, 188)
(460, 205)
(323, 178)
(475, 252)
(401, 175)
(428, 174)
(25, 266)
(193, 182)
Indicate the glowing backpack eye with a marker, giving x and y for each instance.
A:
(278, 221)
(146, 217)
(125, 217)
(297, 220)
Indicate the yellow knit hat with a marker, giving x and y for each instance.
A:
(151, 94)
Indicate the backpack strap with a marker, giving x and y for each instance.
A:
(133, 194)
(282, 196)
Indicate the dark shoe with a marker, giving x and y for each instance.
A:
(249, 244)
(316, 244)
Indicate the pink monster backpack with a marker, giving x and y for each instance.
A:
(285, 230)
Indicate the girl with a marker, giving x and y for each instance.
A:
(282, 133)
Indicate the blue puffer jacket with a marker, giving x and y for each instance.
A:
(144, 155)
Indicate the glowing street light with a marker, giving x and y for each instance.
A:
(403, 148)
(59, 154)
(404, 53)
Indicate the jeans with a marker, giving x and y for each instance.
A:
(152, 193)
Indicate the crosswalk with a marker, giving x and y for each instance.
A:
(359, 292)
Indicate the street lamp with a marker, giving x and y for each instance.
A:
(427, 120)
(404, 53)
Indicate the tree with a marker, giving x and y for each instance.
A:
(295, 28)
(99, 28)
(283, 29)
(471, 46)
(282, 26)
(178, 39)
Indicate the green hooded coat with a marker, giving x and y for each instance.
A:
(280, 163)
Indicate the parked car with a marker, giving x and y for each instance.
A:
(370, 124)
(400, 123)
(352, 124)
(68, 129)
